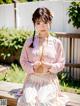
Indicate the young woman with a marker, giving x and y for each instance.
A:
(42, 58)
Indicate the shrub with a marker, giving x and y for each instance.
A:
(11, 42)
(74, 14)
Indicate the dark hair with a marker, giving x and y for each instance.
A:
(41, 13)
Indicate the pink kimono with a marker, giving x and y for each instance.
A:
(42, 89)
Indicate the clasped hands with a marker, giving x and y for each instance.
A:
(39, 66)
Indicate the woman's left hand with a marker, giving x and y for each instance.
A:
(46, 64)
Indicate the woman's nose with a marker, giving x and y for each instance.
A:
(42, 24)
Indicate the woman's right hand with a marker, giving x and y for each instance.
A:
(36, 65)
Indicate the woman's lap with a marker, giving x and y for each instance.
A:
(41, 93)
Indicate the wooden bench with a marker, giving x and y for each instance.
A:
(8, 91)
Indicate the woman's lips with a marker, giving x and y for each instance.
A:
(42, 30)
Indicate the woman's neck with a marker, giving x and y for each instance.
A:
(42, 39)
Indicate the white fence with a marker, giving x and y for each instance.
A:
(24, 13)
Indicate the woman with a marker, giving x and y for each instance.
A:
(42, 58)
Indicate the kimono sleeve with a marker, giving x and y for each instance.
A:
(60, 61)
(27, 65)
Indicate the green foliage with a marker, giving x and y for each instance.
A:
(1, 1)
(13, 38)
(12, 41)
(6, 1)
(13, 74)
(68, 84)
(74, 13)
(22, 1)
(64, 77)
(11, 1)
(67, 81)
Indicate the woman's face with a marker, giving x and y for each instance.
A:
(42, 27)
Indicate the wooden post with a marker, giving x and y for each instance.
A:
(15, 17)
(70, 53)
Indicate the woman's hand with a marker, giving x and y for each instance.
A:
(46, 64)
(38, 67)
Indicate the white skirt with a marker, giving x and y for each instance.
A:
(42, 90)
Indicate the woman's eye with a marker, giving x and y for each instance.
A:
(45, 22)
(38, 23)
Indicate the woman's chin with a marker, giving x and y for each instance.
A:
(43, 32)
